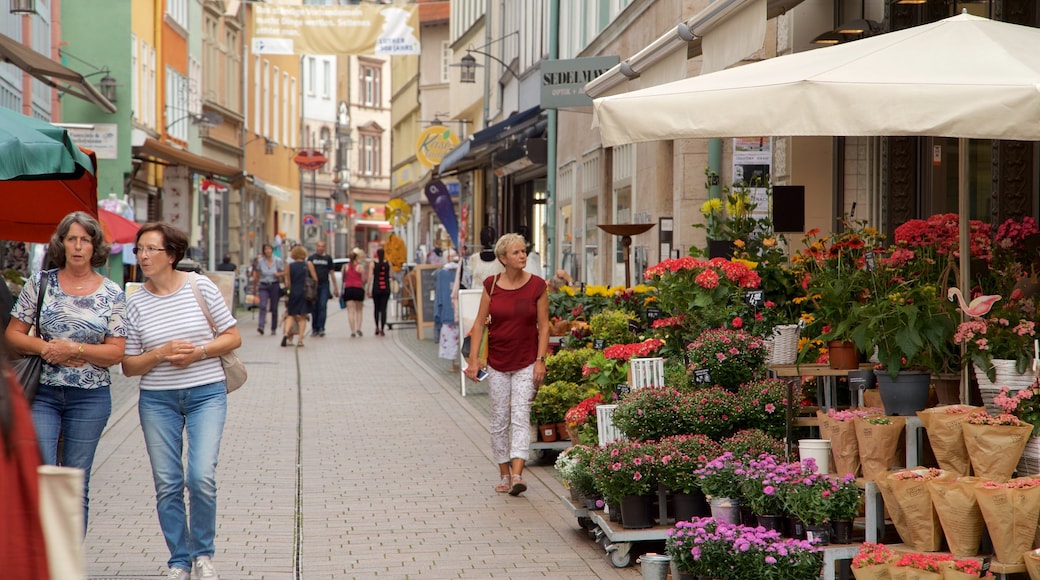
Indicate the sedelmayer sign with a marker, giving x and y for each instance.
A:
(563, 81)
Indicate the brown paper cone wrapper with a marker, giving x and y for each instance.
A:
(879, 446)
(958, 510)
(879, 572)
(1011, 516)
(995, 449)
(915, 501)
(844, 445)
(951, 574)
(947, 437)
(1032, 559)
(915, 574)
(898, 572)
(895, 513)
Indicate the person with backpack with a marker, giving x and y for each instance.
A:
(379, 289)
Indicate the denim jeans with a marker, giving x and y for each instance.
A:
(164, 417)
(270, 294)
(321, 308)
(77, 416)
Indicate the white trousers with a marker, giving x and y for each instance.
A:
(510, 394)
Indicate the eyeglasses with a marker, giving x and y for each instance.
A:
(148, 251)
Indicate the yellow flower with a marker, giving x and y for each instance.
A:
(642, 288)
(750, 265)
(739, 243)
(567, 290)
(614, 290)
(769, 242)
(807, 318)
(712, 206)
(799, 299)
(596, 290)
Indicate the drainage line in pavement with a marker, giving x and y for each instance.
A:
(298, 508)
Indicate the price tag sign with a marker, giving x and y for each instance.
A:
(633, 327)
(755, 298)
(653, 313)
(599, 343)
(621, 390)
(868, 258)
(702, 376)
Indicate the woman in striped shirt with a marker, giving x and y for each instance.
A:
(172, 347)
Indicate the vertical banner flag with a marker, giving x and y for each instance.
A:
(440, 199)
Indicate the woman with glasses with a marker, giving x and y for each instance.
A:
(172, 347)
(81, 334)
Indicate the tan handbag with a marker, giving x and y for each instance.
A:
(235, 374)
(61, 513)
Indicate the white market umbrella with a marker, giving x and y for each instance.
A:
(965, 77)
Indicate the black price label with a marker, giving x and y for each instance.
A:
(868, 258)
(702, 376)
(985, 567)
(633, 327)
(599, 343)
(755, 298)
(653, 313)
(621, 390)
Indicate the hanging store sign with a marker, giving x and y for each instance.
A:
(433, 144)
(289, 27)
(563, 81)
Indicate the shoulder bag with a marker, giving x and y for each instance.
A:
(483, 346)
(29, 367)
(310, 287)
(234, 369)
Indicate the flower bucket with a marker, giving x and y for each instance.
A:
(690, 505)
(817, 449)
(782, 344)
(841, 531)
(1029, 464)
(820, 534)
(654, 566)
(725, 509)
(904, 395)
(1006, 376)
(637, 511)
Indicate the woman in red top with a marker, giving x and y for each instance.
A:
(515, 306)
(355, 275)
(22, 550)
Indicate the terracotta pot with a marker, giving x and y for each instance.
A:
(562, 433)
(842, 355)
(547, 433)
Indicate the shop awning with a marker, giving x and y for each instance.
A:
(481, 143)
(149, 147)
(51, 73)
(278, 193)
(383, 226)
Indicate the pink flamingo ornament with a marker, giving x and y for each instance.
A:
(978, 308)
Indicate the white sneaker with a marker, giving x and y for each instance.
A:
(177, 574)
(204, 569)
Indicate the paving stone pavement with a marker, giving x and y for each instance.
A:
(347, 458)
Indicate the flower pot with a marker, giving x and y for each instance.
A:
(774, 522)
(654, 566)
(1006, 376)
(841, 531)
(680, 575)
(561, 432)
(947, 389)
(690, 505)
(795, 528)
(842, 355)
(747, 517)
(906, 394)
(637, 512)
(614, 512)
(547, 433)
(818, 533)
(782, 344)
(725, 509)
(720, 249)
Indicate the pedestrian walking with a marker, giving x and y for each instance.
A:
(354, 279)
(295, 276)
(82, 332)
(323, 267)
(183, 393)
(266, 275)
(515, 308)
(379, 289)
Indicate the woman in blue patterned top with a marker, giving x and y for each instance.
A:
(83, 333)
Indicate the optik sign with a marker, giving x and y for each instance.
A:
(563, 81)
(433, 144)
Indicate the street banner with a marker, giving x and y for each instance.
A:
(289, 27)
(440, 199)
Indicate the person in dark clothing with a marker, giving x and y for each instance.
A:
(379, 289)
(225, 265)
(323, 266)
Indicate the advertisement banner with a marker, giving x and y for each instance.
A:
(289, 27)
(440, 199)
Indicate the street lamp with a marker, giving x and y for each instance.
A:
(468, 65)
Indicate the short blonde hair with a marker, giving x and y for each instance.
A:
(298, 253)
(507, 241)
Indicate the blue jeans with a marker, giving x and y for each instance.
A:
(164, 417)
(77, 416)
(321, 308)
(270, 294)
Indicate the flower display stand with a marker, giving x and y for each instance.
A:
(608, 433)
(646, 372)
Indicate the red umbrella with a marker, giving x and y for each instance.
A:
(118, 229)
